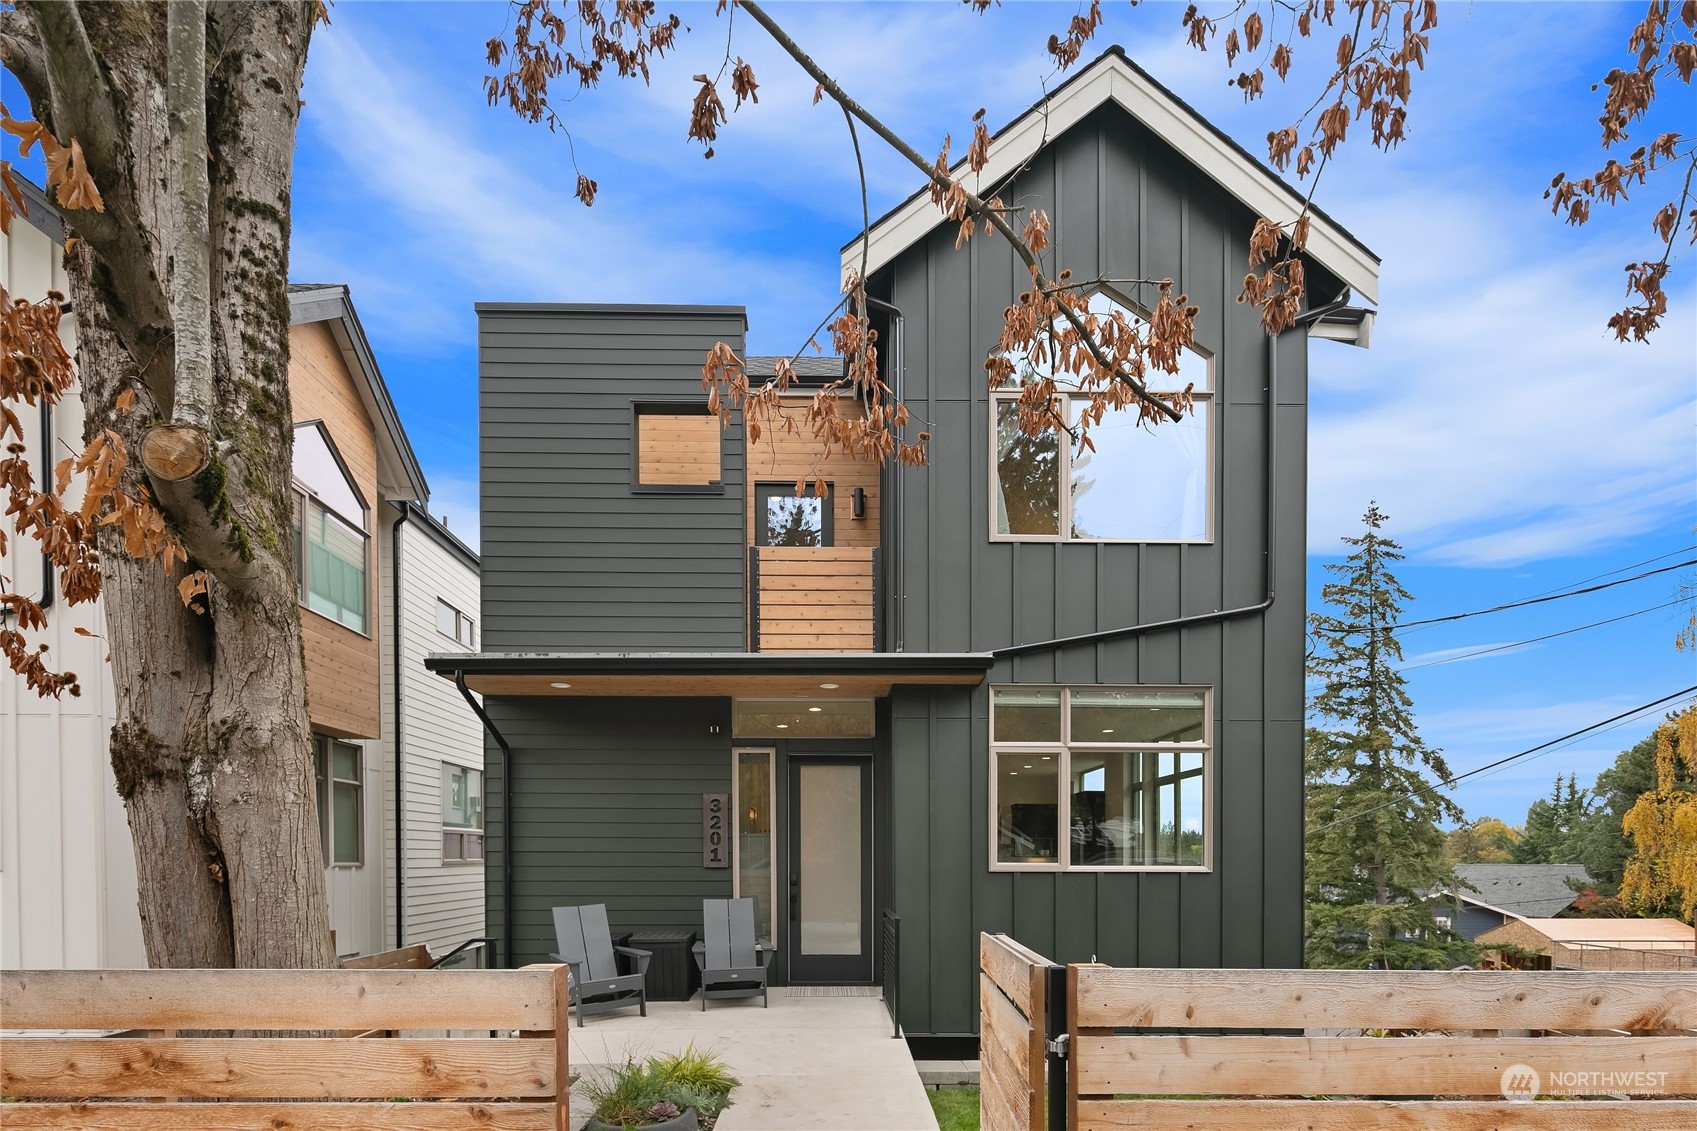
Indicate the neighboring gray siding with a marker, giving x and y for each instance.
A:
(607, 808)
(573, 559)
(1124, 205)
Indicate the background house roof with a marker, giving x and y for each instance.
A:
(399, 474)
(1648, 934)
(808, 367)
(1530, 891)
(1112, 77)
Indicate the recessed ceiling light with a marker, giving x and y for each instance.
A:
(561, 686)
(1028, 765)
(1013, 773)
(783, 726)
(827, 687)
(1107, 730)
(816, 709)
(1048, 757)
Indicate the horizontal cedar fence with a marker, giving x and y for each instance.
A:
(1013, 1012)
(814, 598)
(165, 1080)
(1457, 1036)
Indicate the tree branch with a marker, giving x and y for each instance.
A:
(191, 288)
(84, 107)
(976, 204)
(22, 54)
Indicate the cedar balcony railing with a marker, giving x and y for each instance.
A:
(813, 599)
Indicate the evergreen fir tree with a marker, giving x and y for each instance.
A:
(1373, 807)
(1554, 825)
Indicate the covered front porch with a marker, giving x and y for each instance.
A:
(648, 782)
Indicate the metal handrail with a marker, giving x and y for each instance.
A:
(891, 970)
(482, 943)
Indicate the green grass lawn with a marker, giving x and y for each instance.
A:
(956, 1108)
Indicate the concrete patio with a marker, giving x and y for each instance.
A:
(806, 1064)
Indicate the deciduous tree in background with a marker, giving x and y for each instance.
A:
(1661, 876)
(1487, 840)
(1373, 808)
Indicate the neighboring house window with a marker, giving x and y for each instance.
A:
(462, 813)
(330, 540)
(451, 622)
(784, 518)
(1099, 777)
(1150, 484)
(341, 806)
(677, 448)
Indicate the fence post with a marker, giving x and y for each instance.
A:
(1057, 1013)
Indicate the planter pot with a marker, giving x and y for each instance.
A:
(683, 1121)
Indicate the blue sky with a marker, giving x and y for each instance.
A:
(1516, 448)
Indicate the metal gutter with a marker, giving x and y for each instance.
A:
(1271, 566)
(707, 663)
(506, 816)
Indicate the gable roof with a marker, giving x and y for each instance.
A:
(399, 475)
(1112, 77)
(1526, 891)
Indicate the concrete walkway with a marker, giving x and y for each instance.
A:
(806, 1064)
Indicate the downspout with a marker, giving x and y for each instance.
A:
(1271, 574)
(48, 586)
(506, 816)
(400, 762)
(898, 367)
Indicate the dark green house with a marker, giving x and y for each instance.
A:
(1021, 689)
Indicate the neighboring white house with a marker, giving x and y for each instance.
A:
(67, 870)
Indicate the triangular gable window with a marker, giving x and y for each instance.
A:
(330, 539)
(319, 468)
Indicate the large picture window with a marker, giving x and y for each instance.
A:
(1139, 484)
(330, 540)
(1099, 778)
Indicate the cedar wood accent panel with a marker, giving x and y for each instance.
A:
(677, 448)
(815, 599)
(575, 559)
(1123, 205)
(780, 456)
(341, 664)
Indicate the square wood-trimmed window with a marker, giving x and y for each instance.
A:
(1101, 779)
(784, 518)
(677, 448)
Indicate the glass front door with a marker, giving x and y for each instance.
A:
(830, 870)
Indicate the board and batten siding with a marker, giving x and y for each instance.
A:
(67, 870)
(444, 901)
(574, 559)
(1123, 205)
(606, 809)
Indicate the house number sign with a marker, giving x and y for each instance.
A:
(715, 836)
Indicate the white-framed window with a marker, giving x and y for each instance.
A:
(1101, 778)
(451, 622)
(341, 799)
(462, 813)
(1138, 484)
(331, 547)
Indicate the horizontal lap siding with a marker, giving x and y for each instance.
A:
(573, 558)
(607, 808)
(1123, 205)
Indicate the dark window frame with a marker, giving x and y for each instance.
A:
(668, 408)
(765, 491)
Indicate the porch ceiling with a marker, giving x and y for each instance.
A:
(857, 675)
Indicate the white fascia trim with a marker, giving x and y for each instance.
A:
(1112, 80)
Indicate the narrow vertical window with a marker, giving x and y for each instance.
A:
(754, 825)
(341, 805)
(462, 813)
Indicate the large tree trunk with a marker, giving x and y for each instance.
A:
(212, 747)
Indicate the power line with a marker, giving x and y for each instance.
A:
(1550, 597)
(1449, 782)
(1537, 639)
(1621, 569)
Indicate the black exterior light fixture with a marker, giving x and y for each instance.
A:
(858, 502)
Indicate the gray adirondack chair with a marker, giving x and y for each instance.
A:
(586, 945)
(731, 959)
